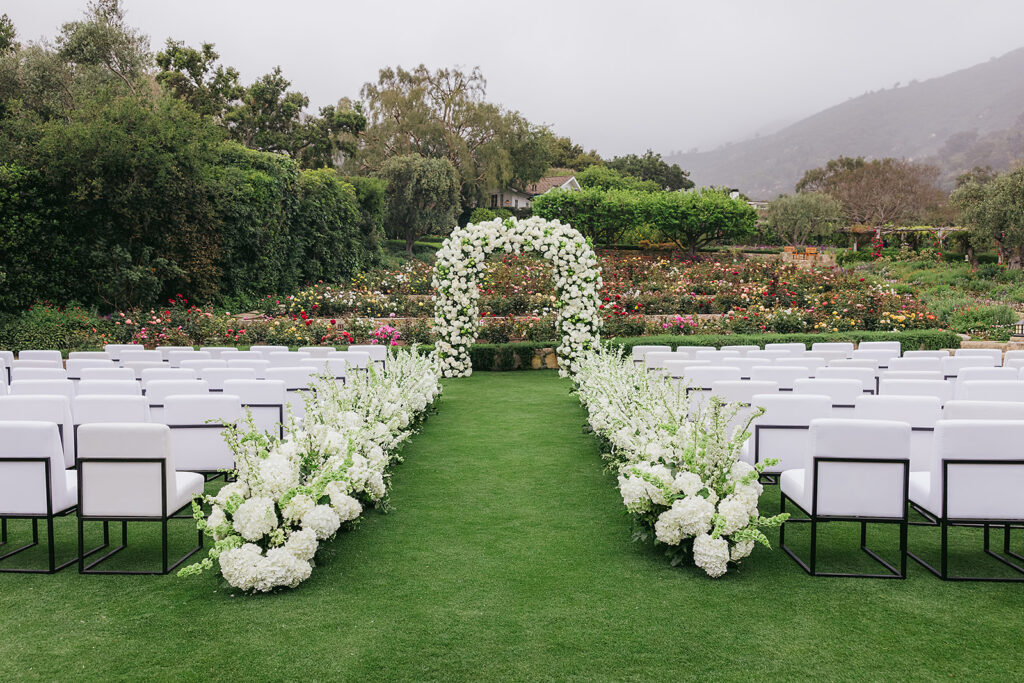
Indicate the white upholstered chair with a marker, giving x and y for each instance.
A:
(856, 471)
(127, 473)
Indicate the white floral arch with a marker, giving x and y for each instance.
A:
(461, 260)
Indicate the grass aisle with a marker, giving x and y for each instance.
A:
(507, 556)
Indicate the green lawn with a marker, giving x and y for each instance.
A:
(507, 556)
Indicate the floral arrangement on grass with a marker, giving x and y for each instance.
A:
(677, 462)
(291, 495)
(462, 259)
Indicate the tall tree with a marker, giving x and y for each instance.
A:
(702, 217)
(567, 154)
(271, 118)
(422, 194)
(444, 114)
(994, 210)
(652, 167)
(610, 179)
(103, 40)
(877, 192)
(8, 35)
(194, 76)
(799, 217)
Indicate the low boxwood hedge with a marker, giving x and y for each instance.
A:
(518, 355)
(910, 340)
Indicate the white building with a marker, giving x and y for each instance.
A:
(522, 199)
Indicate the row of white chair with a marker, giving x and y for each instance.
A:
(883, 353)
(188, 407)
(977, 383)
(863, 471)
(215, 375)
(780, 433)
(127, 471)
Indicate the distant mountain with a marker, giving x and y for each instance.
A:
(966, 118)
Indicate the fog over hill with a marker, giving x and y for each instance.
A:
(967, 118)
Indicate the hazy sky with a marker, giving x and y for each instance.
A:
(616, 76)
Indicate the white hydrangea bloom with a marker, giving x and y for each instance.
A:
(302, 544)
(687, 483)
(741, 550)
(229, 490)
(278, 475)
(322, 520)
(735, 512)
(297, 507)
(634, 492)
(695, 514)
(255, 518)
(281, 567)
(711, 554)
(347, 507)
(239, 566)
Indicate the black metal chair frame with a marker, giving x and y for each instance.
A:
(944, 523)
(280, 413)
(52, 567)
(163, 519)
(813, 518)
(208, 475)
(770, 479)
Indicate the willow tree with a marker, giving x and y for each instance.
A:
(422, 195)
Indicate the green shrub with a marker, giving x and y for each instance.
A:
(50, 327)
(482, 215)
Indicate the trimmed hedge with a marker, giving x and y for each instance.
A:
(501, 357)
(910, 341)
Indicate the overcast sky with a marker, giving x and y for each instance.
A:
(616, 76)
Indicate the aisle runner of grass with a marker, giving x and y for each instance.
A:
(507, 556)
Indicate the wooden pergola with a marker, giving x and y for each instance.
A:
(878, 231)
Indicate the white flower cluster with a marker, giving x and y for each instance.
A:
(679, 472)
(294, 493)
(461, 260)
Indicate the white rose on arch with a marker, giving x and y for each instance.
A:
(577, 280)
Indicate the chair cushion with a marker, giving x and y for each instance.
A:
(68, 497)
(187, 484)
(920, 491)
(792, 484)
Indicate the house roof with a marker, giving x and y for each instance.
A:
(545, 184)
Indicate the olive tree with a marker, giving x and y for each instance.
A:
(799, 217)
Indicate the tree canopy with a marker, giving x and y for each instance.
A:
(444, 114)
(799, 217)
(993, 208)
(652, 167)
(879, 191)
(423, 196)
